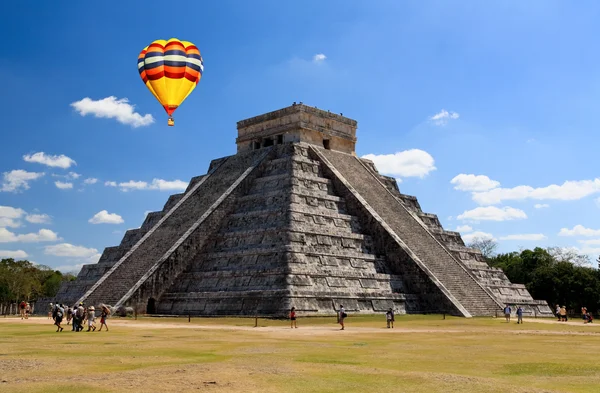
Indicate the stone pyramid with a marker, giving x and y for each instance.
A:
(295, 218)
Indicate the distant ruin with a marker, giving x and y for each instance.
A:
(295, 218)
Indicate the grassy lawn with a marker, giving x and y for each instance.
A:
(422, 354)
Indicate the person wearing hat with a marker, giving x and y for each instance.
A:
(91, 317)
(563, 314)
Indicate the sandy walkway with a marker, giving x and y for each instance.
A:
(333, 329)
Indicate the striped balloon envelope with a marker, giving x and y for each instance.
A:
(170, 70)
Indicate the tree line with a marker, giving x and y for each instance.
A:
(557, 275)
(24, 280)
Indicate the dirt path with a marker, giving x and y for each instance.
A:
(326, 330)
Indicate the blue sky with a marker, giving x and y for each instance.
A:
(485, 111)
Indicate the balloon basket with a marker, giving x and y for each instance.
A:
(171, 122)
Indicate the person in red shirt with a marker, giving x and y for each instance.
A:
(293, 318)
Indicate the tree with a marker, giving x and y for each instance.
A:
(554, 274)
(487, 246)
(23, 280)
(569, 255)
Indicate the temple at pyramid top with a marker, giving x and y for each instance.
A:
(297, 123)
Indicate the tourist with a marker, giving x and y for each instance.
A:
(589, 318)
(341, 316)
(69, 315)
(103, 316)
(507, 311)
(519, 314)
(50, 308)
(27, 310)
(584, 312)
(22, 309)
(58, 314)
(389, 317)
(293, 318)
(563, 314)
(91, 316)
(557, 312)
(80, 316)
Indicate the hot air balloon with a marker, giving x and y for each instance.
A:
(170, 70)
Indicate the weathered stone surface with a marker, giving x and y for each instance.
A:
(293, 223)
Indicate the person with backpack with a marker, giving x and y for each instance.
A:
(103, 316)
(91, 317)
(69, 315)
(58, 314)
(507, 311)
(389, 317)
(80, 313)
(341, 316)
(293, 318)
(519, 315)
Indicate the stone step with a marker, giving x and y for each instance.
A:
(270, 183)
(438, 260)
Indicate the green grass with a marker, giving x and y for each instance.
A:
(423, 354)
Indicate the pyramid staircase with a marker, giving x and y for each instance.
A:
(288, 242)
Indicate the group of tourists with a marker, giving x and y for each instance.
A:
(562, 316)
(519, 312)
(25, 309)
(79, 316)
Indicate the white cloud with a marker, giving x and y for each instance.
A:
(70, 250)
(43, 235)
(442, 117)
(38, 218)
(60, 161)
(73, 175)
(463, 228)
(90, 180)
(9, 217)
(110, 183)
(133, 185)
(104, 217)
(590, 242)
(579, 230)
(74, 269)
(166, 185)
(541, 205)
(113, 108)
(465, 182)
(63, 185)
(569, 190)
(157, 184)
(319, 58)
(524, 236)
(6, 222)
(468, 238)
(18, 180)
(492, 213)
(13, 254)
(408, 163)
